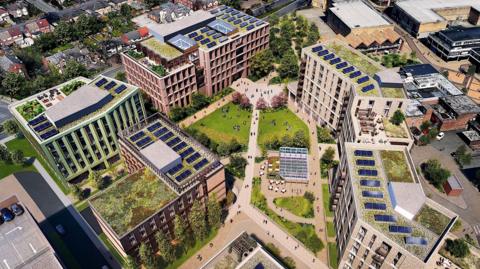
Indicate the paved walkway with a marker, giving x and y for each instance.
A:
(7, 139)
(206, 111)
(258, 89)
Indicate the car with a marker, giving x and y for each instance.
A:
(440, 135)
(60, 229)
(17, 209)
(7, 215)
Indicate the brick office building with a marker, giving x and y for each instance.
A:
(203, 52)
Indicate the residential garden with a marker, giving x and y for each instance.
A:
(72, 86)
(301, 206)
(30, 109)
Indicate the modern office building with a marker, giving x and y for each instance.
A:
(338, 88)
(455, 43)
(363, 28)
(203, 52)
(422, 17)
(75, 124)
(168, 171)
(382, 217)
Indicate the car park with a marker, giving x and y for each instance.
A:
(7, 214)
(17, 209)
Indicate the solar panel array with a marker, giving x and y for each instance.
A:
(180, 146)
(328, 56)
(200, 164)
(355, 74)
(175, 169)
(363, 153)
(137, 136)
(385, 218)
(187, 152)
(173, 142)
(322, 53)
(154, 126)
(367, 88)
(317, 48)
(342, 65)
(363, 79)
(361, 162)
(183, 175)
(166, 136)
(37, 120)
(110, 85)
(144, 142)
(368, 172)
(193, 158)
(420, 241)
(120, 89)
(335, 61)
(160, 132)
(372, 194)
(348, 70)
(370, 183)
(375, 206)
(101, 82)
(43, 126)
(399, 229)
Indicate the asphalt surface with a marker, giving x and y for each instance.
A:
(4, 115)
(43, 6)
(76, 241)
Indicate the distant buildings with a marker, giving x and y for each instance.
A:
(203, 52)
(475, 59)
(10, 63)
(24, 35)
(422, 17)
(76, 130)
(455, 43)
(168, 170)
(60, 59)
(363, 28)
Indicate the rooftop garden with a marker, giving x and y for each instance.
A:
(359, 61)
(136, 54)
(392, 130)
(163, 49)
(30, 109)
(72, 86)
(393, 93)
(395, 166)
(127, 203)
(160, 70)
(432, 219)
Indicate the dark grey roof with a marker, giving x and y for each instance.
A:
(419, 69)
(460, 33)
(461, 104)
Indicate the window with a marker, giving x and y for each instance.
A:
(143, 232)
(370, 244)
(397, 258)
(361, 234)
(132, 239)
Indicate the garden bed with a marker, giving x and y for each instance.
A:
(30, 109)
(392, 130)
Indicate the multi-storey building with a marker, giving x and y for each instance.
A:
(178, 169)
(382, 217)
(75, 124)
(475, 59)
(455, 43)
(203, 52)
(338, 88)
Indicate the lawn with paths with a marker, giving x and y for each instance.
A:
(279, 123)
(326, 200)
(225, 124)
(297, 205)
(332, 255)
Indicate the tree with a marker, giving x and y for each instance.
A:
(197, 220)
(288, 65)
(262, 63)
(328, 155)
(398, 117)
(435, 173)
(147, 257)
(273, 19)
(77, 192)
(10, 127)
(236, 98)
(223, 149)
(126, 10)
(121, 75)
(181, 231)
(231, 3)
(245, 102)
(289, 262)
(165, 247)
(261, 104)
(458, 247)
(199, 101)
(238, 162)
(178, 113)
(279, 100)
(74, 69)
(309, 196)
(130, 263)
(4, 154)
(12, 84)
(214, 213)
(324, 136)
(300, 140)
(462, 156)
(17, 156)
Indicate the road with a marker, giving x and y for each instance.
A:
(40, 4)
(289, 8)
(112, 71)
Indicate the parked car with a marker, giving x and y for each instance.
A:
(7, 215)
(60, 229)
(17, 209)
(440, 135)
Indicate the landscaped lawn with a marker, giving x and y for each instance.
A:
(298, 205)
(396, 166)
(330, 229)
(432, 219)
(225, 124)
(326, 200)
(10, 168)
(279, 123)
(332, 255)
(305, 233)
(393, 130)
(393, 92)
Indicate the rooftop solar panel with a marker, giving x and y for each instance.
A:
(49, 134)
(366, 162)
(186, 152)
(222, 39)
(348, 70)
(194, 157)
(259, 23)
(355, 74)
(252, 20)
(368, 172)
(204, 29)
(166, 136)
(375, 206)
(243, 24)
(137, 136)
(335, 61)
(205, 41)
(179, 146)
(42, 126)
(420, 241)
(101, 82)
(120, 89)
(399, 229)
(363, 79)
(200, 164)
(211, 44)
(363, 153)
(322, 53)
(341, 65)
(235, 12)
(328, 56)
(231, 19)
(198, 38)
(372, 194)
(154, 126)
(192, 35)
(185, 174)
(144, 142)
(37, 120)
(173, 142)
(211, 32)
(175, 169)
(217, 35)
(317, 48)
(160, 132)
(250, 27)
(368, 88)
(370, 183)
(110, 85)
(241, 15)
(225, 16)
(237, 21)
(385, 218)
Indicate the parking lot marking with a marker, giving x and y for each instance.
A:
(14, 229)
(6, 264)
(33, 249)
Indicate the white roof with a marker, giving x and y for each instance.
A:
(424, 10)
(358, 14)
(407, 198)
(161, 155)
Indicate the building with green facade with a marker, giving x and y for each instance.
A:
(75, 124)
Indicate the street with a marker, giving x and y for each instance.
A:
(40, 4)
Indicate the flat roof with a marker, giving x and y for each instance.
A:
(456, 34)
(24, 245)
(160, 154)
(454, 182)
(294, 163)
(357, 15)
(425, 10)
(419, 69)
(461, 104)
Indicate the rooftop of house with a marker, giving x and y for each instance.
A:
(357, 14)
(69, 104)
(460, 104)
(389, 197)
(173, 155)
(425, 11)
(6, 61)
(132, 200)
(458, 34)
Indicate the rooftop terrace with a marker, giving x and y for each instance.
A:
(386, 184)
(132, 200)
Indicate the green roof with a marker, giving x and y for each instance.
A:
(163, 49)
(132, 200)
(360, 61)
(393, 93)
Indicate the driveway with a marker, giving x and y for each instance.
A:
(450, 143)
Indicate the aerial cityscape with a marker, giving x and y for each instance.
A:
(240, 134)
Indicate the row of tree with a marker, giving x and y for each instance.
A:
(222, 148)
(278, 101)
(242, 100)
(15, 156)
(298, 140)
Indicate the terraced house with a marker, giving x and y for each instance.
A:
(75, 124)
(382, 217)
(168, 171)
(204, 51)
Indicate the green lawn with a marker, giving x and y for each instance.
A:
(220, 125)
(326, 200)
(332, 255)
(279, 123)
(298, 205)
(330, 229)
(396, 166)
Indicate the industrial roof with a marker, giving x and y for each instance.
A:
(456, 34)
(461, 104)
(357, 14)
(419, 69)
(424, 10)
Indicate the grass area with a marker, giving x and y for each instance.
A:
(326, 200)
(330, 229)
(393, 130)
(10, 168)
(393, 93)
(432, 219)
(226, 123)
(360, 61)
(396, 166)
(297, 205)
(162, 49)
(112, 249)
(279, 123)
(305, 233)
(332, 255)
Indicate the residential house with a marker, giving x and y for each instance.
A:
(60, 59)
(36, 28)
(17, 10)
(135, 36)
(10, 36)
(3, 14)
(11, 64)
